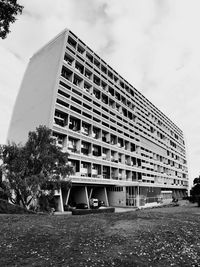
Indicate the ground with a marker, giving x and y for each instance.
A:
(151, 237)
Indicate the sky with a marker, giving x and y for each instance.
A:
(153, 44)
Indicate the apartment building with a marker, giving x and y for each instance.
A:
(124, 150)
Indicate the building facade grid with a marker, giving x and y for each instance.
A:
(115, 136)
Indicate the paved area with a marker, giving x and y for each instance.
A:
(117, 209)
(127, 209)
(120, 209)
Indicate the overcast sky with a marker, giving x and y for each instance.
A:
(154, 44)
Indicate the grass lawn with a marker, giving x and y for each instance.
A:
(153, 237)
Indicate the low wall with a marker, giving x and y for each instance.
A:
(91, 211)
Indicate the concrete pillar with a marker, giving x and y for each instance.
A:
(60, 202)
(90, 195)
(106, 197)
(86, 195)
(65, 195)
(175, 193)
(67, 198)
(138, 196)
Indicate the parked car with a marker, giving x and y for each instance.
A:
(81, 206)
(101, 203)
(94, 203)
(68, 208)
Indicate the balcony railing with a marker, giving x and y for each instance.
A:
(84, 172)
(85, 130)
(104, 156)
(96, 154)
(94, 171)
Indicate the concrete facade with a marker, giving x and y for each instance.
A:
(123, 149)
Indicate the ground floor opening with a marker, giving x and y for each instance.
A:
(117, 196)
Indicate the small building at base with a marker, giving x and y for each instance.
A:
(115, 195)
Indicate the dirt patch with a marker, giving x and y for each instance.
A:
(131, 227)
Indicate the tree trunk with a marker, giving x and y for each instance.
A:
(198, 201)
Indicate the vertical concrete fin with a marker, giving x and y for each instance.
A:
(138, 197)
(60, 204)
(91, 191)
(67, 198)
(106, 197)
(86, 194)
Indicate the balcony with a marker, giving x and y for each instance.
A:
(119, 145)
(93, 135)
(80, 49)
(104, 156)
(59, 120)
(89, 57)
(96, 151)
(69, 62)
(67, 74)
(96, 154)
(96, 133)
(59, 143)
(75, 129)
(112, 141)
(72, 42)
(88, 75)
(147, 165)
(114, 177)
(74, 124)
(85, 130)
(58, 139)
(72, 147)
(104, 99)
(85, 151)
(121, 158)
(84, 172)
(79, 68)
(104, 139)
(86, 88)
(114, 159)
(96, 81)
(77, 82)
(85, 148)
(94, 172)
(127, 162)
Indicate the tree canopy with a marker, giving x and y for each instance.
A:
(9, 9)
(37, 165)
(195, 191)
(196, 180)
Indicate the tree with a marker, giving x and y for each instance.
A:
(36, 166)
(196, 180)
(9, 9)
(195, 191)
